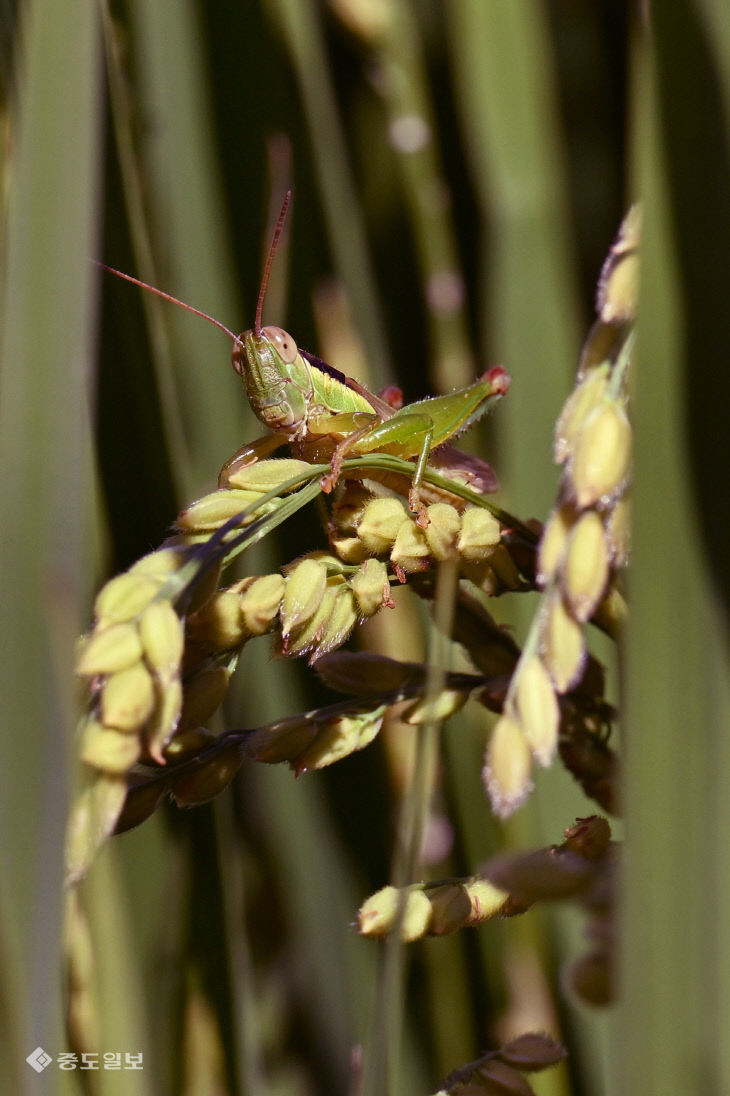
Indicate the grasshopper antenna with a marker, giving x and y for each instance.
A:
(167, 297)
(269, 261)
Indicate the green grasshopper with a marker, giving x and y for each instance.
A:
(325, 416)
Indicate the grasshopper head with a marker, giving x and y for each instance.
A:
(261, 344)
(283, 343)
(276, 377)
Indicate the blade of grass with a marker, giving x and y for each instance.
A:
(410, 131)
(502, 59)
(120, 1019)
(678, 693)
(189, 235)
(175, 168)
(387, 1066)
(502, 66)
(45, 486)
(300, 24)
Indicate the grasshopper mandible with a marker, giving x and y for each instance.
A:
(325, 416)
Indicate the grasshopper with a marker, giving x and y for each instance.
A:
(325, 416)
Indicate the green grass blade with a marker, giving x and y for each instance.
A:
(502, 63)
(678, 684)
(189, 236)
(301, 27)
(46, 539)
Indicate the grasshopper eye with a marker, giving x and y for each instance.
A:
(283, 342)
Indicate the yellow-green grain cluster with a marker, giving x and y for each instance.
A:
(251, 492)
(157, 663)
(154, 675)
(584, 542)
(427, 910)
(312, 608)
(131, 664)
(582, 869)
(368, 525)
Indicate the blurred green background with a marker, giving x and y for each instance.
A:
(459, 171)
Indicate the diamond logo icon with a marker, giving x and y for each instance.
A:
(38, 1060)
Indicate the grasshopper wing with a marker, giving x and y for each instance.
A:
(382, 409)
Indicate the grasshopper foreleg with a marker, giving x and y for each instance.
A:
(404, 435)
(249, 454)
(342, 449)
